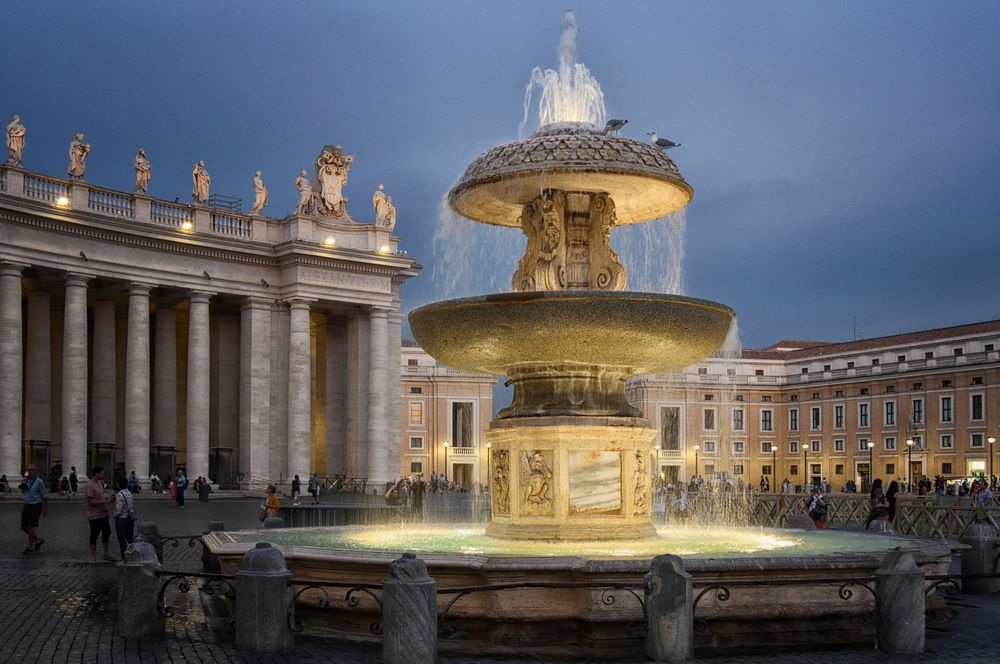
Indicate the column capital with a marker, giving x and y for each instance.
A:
(139, 288)
(201, 297)
(12, 268)
(255, 302)
(77, 279)
(379, 312)
(299, 302)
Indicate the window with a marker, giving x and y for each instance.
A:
(794, 397)
(901, 358)
(890, 389)
(890, 413)
(765, 470)
(918, 411)
(863, 415)
(826, 367)
(977, 406)
(815, 446)
(805, 370)
(816, 469)
(989, 347)
(793, 447)
(875, 363)
(793, 419)
(814, 418)
(416, 443)
(850, 365)
(765, 447)
(758, 372)
(737, 397)
(708, 419)
(416, 413)
(709, 397)
(917, 442)
(890, 443)
(462, 424)
(702, 371)
(863, 391)
(958, 351)
(738, 419)
(976, 440)
(766, 399)
(411, 363)
(793, 469)
(709, 447)
(977, 380)
(946, 409)
(416, 467)
(730, 372)
(765, 421)
(946, 468)
(946, 443)
(815, 396)
(945, 383)
(737, 469)
(929, 356)
(416, 390)
(839, 393)
(838, 417)
(862, 444)
(918, 386)
(739, 447)
(838, 469)
(890, 469)
(838, 445)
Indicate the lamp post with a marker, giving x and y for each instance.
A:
(871, 463)
(774, 469)
(991, 440)
(446, 462)
(805, 467)
(909, 465)
(696, 460)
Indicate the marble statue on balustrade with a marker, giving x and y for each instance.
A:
(15, 141)
(259, 195)
(305, 204)
(332, 166)
(385, 212)
(78, 151)
(201, 183)
(141, 172)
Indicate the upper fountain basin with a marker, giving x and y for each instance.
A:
(570, 156)
(644, 332)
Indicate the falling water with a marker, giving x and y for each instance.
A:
(653, 254)
(732, 347)
(571, 94)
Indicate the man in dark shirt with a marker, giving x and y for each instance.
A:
(36, 504)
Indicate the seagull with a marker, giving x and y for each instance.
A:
(662, 143)
(614, 126)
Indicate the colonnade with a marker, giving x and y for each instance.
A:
(318, 382)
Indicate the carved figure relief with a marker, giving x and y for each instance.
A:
(305, 204)
(259, 195)
(536, 483)
(642, 497)
(501, 482)
(543, 265)
(201, 183)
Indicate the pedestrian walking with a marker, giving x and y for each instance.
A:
(97, 513)
(36, 504)
(182, 485)
(74, 482)
(124, 516)
(271, 504)
(314, 488)
(892, 499)
(817, 508)
(296, 490)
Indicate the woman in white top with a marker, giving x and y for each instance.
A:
(124, 515)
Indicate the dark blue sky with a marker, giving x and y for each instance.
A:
(844, 155)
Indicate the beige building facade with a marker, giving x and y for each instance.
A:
(805, 410)
(444, 417)
(145, 334)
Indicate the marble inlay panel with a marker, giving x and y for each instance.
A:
(595, 482)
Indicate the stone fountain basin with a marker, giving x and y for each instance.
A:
(642, 332)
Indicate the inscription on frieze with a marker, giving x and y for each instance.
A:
(366, 282)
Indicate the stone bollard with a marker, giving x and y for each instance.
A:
(263, 597)
(138, 590)
(209, 561)
(883, 526)
(214, 526)
(274, 522)
(981, 557)
(899, 587)
(409, 613)
(669, 611)
(802, 521)
(147, 531)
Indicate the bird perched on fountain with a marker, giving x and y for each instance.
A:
(614, 126)
(662, 143)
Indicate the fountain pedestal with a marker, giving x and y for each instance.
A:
(570, 478)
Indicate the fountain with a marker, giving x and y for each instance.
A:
(570, 457)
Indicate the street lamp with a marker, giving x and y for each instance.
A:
(696, 460)
(446, 461)
(871, 463)
(805, 467)
(774, 468)
(909, 464)
(991, 440)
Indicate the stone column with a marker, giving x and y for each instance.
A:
(198, 386)
(669, 611)
(104, 386)
(137, 382)
(299, 411)
(278, 453)
(393, 386)
(164, 431)
(377, 427)
(74, 375)
(38, 366)
(262, 612)
(899, 588)
(255, 385)
(11, 363)
(409, 614)
(357, 392)
(336, 396)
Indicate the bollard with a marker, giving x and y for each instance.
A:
(263, 599)
(274, 522)
(209, 561)
(883, 526)
(409, 613)
(899, 589)
(802, 521)
(147, 531)
(982, 556)
(214, 526)
(669, 611)
(138, 590)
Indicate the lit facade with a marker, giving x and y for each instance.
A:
(801, 409)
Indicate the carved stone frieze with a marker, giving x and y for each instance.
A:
(501, 482)
(536, 483)
(641, 486)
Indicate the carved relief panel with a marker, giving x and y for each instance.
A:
(641, 485)
(501, 482)
(536, 483)
(543, 266)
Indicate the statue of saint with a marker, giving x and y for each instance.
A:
(201, 181)
(390, 214)
(331, 175)
(15, 141)
(259, 195)
(141, 172)
(78, 151)
(305, 193)
(378, 203)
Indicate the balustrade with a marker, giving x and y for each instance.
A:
(43, 188)
(230, 224)
(169, 215)
(110, 202)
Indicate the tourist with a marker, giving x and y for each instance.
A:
(296, 490)
(133, 483)
(173, 488)
(36, 504)
(124, 516)
(64, 487)
(765, 486)
(204, 488)
(97, 513)
(877, 503)
(986, 497)
(74, 482)
(4, 484)
(314, 488)
(786, 486)
(182, 485)
(851, 487)
(817, 508)
(154, 483)
(892, 499)
(271, 503)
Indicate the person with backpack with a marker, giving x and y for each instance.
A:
(36, 504)
(124, 516)
(817, 508)
(314, 488)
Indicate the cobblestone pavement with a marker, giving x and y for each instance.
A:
(56, 608)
